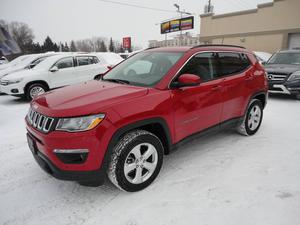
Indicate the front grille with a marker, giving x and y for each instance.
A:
(39, 121)
(277, 77)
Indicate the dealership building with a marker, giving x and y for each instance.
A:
(270, 27)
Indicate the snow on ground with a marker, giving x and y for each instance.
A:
(215, 180)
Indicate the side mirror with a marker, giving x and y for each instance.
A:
(54, 69)
(31, 66)
(187, 80)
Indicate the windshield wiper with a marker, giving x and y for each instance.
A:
(119, 81)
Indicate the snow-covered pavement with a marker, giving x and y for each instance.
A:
(224, 179)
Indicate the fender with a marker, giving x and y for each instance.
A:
(121, 131)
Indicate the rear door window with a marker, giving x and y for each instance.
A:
(232, 63)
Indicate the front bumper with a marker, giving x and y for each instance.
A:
(12, 89)
(93, 168)
(288, 87)
(81, 176)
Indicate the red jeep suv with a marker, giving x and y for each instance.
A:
(125, 123)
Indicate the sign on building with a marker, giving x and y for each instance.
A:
(127, 42)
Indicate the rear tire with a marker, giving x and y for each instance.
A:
(135, 161)
(252, 119)
(34, 90)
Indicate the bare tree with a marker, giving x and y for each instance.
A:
(22, 34)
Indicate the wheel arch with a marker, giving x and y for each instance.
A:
(261, 96)
(36, 82)
(157, 126)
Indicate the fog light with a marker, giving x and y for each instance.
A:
(71, 156)
(15, 91)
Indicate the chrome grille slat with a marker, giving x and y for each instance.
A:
(277, 77)
(40, 122)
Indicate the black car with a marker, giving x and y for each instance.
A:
(284, 73)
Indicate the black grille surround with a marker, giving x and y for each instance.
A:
(41, 122)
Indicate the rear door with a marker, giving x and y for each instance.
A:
(65, 73)
(198, 108)
(87, 68)
(235, 68)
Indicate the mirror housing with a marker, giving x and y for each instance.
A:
(54, 69)
(187, 80)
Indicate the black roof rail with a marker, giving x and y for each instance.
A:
(218, 45)
(151, 48)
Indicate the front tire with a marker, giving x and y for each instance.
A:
(35, 90)
(135, 161)
(252, 119)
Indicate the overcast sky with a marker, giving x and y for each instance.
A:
(64, 20)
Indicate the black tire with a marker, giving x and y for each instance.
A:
(297, 96)
(123, 151)
(32, 86)
(245, 128)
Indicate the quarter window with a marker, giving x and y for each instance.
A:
(65, 63)
(86, 60)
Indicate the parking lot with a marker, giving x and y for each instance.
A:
(220, 179)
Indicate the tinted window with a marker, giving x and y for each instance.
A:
(203, 65)
(231, 63)
(94, 59)
(65, 63)
(83, 60)
(86, 60)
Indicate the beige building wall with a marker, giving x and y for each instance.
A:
(266, 28)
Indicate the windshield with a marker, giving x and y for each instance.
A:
(144, 69)
(285, 58)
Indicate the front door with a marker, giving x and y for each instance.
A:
(64, 75)
(198, 108)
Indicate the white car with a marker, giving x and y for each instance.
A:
(263, 57)
(53, 72)
(23, 62)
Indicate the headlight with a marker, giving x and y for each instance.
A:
(79, 123)
(8, 82)
(295, 76)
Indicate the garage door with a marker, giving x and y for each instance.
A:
(294, 41)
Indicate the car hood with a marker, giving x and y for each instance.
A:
(282, 68)
(22, 73)
(4, 66)
(10, 70)
(84, 99)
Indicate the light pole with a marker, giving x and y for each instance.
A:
(181, 13)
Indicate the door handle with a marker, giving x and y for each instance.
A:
(216, 88)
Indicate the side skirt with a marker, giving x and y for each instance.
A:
(229, 124)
